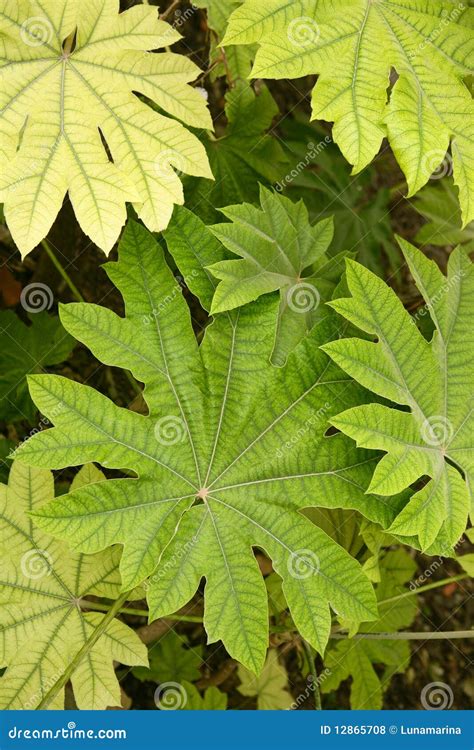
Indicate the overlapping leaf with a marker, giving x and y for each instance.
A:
(279, 250)
(434, 437)
(72, 121)
(270, 687)
(42, 589)
(354, 45)
(23, 350)
(232, 448)
(236, 60)
(356, 658)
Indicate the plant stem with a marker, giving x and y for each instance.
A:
(88, 645)
(314, 674)
(427, 587)
(432, 635)
(51, 254)
(97, 606)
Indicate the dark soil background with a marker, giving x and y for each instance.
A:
(446, 608)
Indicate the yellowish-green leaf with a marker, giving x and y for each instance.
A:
(72, 120)
(42, 590)
(270, 687)
(354, 46)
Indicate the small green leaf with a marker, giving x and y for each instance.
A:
(270, 687)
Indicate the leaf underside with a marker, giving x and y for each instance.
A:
(77, 121)
(354, 45)
(42, 627)
(232, 449)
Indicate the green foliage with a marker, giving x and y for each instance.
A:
(241, 157)
(236, 61)
(434, 437)
(353, 46)
(70, 71)
(171, 660)
(212, 700)
(318, 172)
(279, 250)
(213, 447)
(26, 349)
(439, 206)
(355, 658)
(43, 589)
(270, 687)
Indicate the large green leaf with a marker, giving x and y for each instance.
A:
(353, 45)
(27, 349)
(434, 437)
(71, 120)
(43, 620)
(356, 658)
(232, 448)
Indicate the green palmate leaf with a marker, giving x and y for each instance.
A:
(212, 700)
(237, 59)
(42, 589)
(439, 205)
(279, 250)
(354, 45)
(270, 687)
(171, 660)
(216, 474)
(71, 120)
(241, 157)
(434, 437)
(27, 349)
(355, 659)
